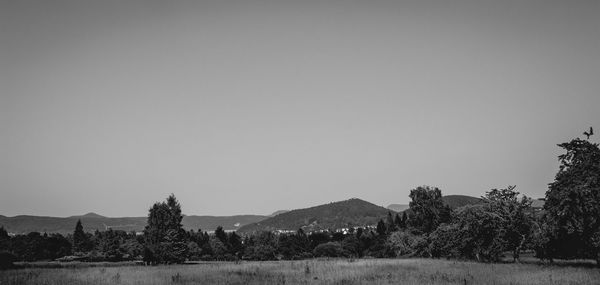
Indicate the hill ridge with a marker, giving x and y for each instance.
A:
(333, 215)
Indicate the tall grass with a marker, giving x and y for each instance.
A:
(339, 271)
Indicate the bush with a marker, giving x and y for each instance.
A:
(7, 259)
(402, 243)
(475, 234)
(260, 252)
(330, 249)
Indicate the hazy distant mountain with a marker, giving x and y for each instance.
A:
(353, 212)
(454, 201)
(538, 203)
(457, 201)
(88, 215)
(210, 223)
(397, 207)
(278, 212)
(93, 221)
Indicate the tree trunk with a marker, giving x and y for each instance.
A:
(517, 251)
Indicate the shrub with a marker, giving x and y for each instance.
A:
(402, 243)
(7, 259)
(330, 249)
(260, 252)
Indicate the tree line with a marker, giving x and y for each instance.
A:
(504, 223)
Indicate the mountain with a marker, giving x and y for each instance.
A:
(93, 221)
(454, 201)
(210, 223)
(88, 215)
(397, 207)
(457, 201)
(353, 212)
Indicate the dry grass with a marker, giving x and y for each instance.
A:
(340, 271)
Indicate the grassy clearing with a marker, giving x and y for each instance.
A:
(372, 271)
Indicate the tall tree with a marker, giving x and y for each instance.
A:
(391, 225)
(81, 242)
(427, 207)
(573, 203)
(404, 221)
(381, 228)
(164, 234)
(221, 235)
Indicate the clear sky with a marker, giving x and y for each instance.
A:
(247, 107)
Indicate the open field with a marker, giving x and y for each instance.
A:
(338, 271)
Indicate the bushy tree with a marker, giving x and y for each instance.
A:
(503, 222)
(330, 249)
(317, 238)
(572, 208)
(35, 246)
(7, 259)
(351, 245)
(476, 233)
(517, 217)
(294, 246)
(428, 210)
(403, 243)
(261, 246)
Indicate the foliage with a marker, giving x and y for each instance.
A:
(428, 209)
(573, 203)
(330, 249)
(475, 234)
(391, 223)
(81, 241)
(295, 246)
(164, 235)
(262, 246)
(516, 215)
(403, 243)
(7, 259)
(381, 228)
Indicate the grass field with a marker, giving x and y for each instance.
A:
(338, 271)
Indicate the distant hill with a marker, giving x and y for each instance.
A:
(353, 212)
(538, 203)
(397, 207)
(457, 201)
(88, 215)
(93, 221)
(454, 201)
(210, 223)
(278, 212)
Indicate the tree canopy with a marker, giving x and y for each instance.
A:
(573, 203)
(164, 234)
(428, 208)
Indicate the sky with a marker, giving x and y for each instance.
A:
(248, 107)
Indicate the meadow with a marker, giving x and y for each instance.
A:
(317, 271)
